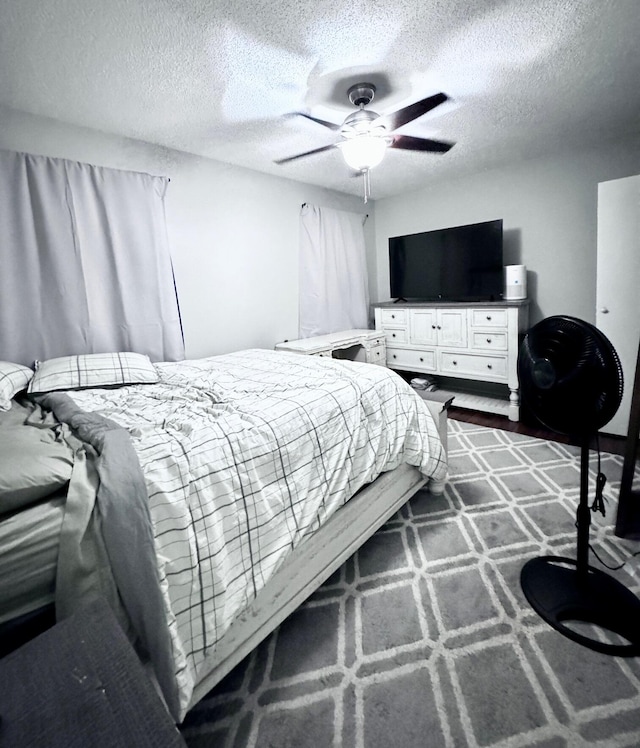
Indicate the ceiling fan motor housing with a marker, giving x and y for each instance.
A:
(358, 122)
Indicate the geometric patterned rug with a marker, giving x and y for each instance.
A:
(424, 638)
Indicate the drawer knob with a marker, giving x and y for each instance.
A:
(433, 327)
(393, 316)
(421, 359)
(393, 334)
(394, 355)
(489, 317)
(489, 366)
(488, 340)
(439, 327)
(455, 363)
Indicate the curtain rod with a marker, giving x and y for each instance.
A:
(304, 205)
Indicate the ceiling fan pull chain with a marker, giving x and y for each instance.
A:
(367, 184)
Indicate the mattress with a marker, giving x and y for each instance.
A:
(28, 557)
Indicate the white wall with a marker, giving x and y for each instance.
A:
(549, 209)
(233, 232)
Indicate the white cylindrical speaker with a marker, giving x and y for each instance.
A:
(515, 282)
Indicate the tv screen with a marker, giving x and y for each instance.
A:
(463, 263)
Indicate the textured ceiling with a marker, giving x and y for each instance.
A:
(217, 78)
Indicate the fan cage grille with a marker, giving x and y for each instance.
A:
(570, 375)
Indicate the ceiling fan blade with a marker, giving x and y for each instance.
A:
(306, 153)
(322, 122)
(394, 120)
(408, 143)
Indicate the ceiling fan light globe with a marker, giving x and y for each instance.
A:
(363, 152)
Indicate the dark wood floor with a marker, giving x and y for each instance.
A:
(608, 443)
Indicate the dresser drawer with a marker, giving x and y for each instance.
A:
(395, 336)
(404, 359)
(392, 317)
(491, 368)
(489, 341)
(380, 339)
(489, 318)
(377, 355)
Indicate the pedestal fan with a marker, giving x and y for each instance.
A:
(571, 381)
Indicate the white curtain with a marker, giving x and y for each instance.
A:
(334, 292)
(84, 262)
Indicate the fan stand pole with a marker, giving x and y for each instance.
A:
(566, 591)
(583, 515)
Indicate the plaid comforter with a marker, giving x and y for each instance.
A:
(244, 455)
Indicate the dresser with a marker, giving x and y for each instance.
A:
(354, 345)
(469, 345)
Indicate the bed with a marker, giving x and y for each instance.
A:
(206, 499)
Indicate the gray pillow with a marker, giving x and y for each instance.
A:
(33, 461)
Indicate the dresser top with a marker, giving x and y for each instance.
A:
(466, 304)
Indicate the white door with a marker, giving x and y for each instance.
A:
(618, 281)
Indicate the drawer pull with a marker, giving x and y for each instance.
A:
(488, 340)
(489, 317)
(394, 356)
(489, 366)
(433, 327)
(439, 328)
(421, 359)
(393, 316)
(455, 363)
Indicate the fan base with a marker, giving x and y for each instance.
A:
(560, 593)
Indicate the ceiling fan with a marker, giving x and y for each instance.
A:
(366, 135)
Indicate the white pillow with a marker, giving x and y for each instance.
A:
(92, 370)
(13, 379)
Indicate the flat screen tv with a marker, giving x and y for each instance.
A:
(462, 263)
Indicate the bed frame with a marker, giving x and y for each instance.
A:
(314, 561)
